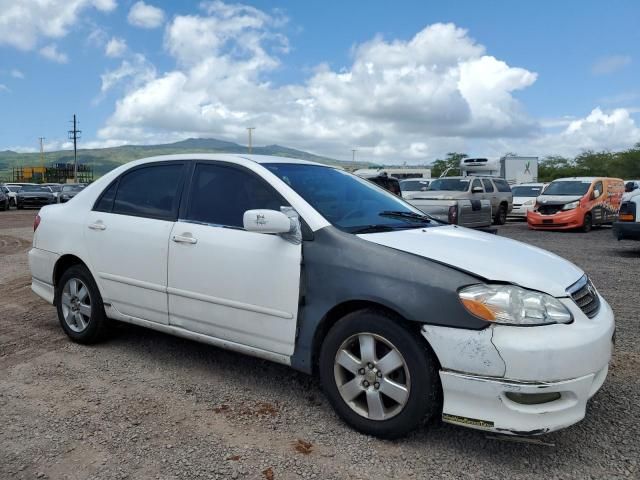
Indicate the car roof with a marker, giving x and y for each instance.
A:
(584, 179)
(230, 157)
(532, 184)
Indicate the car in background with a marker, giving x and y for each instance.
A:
(11, 191)
(4, 198)
(55, 188)
(34, 196)
(577, 203)
(524, 198)
(384, 180)
(628, 225)
(413, 186)
(68, 191)
(630, 186)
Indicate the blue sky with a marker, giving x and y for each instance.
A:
(537, 77)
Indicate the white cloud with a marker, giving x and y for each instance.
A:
(610, 64)
(24, 22)
(15, 73)
(136, 71)
(145, 16)
(398, 99)
(50, 52)
(4, 88)
(116, 47)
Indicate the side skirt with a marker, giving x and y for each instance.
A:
(198, 337)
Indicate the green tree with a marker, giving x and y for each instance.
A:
(452, 161)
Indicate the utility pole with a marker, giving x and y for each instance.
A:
(353, 155)
(250, 130)
(75, 135)
(41, 150)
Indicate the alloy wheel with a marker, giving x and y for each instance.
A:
(372, 376)
(76, 305)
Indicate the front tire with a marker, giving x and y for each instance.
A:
(380, 377)
(587, 224)
(79, 305)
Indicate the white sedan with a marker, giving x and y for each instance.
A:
(399, 316)
(524, 198)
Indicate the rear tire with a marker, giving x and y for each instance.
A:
(390, 383)
(501, 215)
(587, 223)
(79, 306)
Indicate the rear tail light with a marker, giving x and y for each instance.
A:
(36, 222)
(453, 215)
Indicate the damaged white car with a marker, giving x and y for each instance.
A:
(398, 316)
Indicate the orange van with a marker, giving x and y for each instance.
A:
(578, 202)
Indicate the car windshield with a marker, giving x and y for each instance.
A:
(449, 185)
(13, 188)
(34, 188)
(414, 185)
(526, 190)
(350, 203)
(573, 187)
(72, 188)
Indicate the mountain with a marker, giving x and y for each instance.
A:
(103, 160)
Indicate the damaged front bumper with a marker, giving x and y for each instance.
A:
(523, 380)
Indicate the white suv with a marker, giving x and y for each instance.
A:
(398, 315)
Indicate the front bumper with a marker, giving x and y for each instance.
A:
(482, 369)
(519, 211)
(626, 230)
(558, 221)
(34, 202)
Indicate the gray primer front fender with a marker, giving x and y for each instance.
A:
(339, 267)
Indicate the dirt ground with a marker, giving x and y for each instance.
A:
(148, 405)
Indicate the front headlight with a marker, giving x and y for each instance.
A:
(511, 305)
(572, 205)
(528, 203)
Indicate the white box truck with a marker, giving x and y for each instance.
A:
(513, 169)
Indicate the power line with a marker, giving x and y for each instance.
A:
(75, 136)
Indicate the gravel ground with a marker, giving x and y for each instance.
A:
(148, 405)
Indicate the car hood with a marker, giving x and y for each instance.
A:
(486, 255)
(440, 195)
(558, 199)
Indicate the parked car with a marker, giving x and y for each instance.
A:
(413, 186)
(385, 181)
(398, 316)
(68, 191)
(12, 192)
(4, 198)
(55, 188)
(34, 196)
(524, 198)
(628, 225)
(577, 203)
(470, 201)
(630, 186)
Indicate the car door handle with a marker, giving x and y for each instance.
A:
(184, 239)
(97, 226)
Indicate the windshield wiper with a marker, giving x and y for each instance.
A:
(411, 216)
(373, 229)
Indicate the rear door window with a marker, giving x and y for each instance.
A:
(476, 183)
(488, 186)
(150, 191)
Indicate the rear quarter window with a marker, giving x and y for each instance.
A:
(502, 185)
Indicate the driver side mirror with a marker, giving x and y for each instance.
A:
(286, 224)
(476, 190)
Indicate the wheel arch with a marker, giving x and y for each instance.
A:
(344, 308)
(64, 263)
